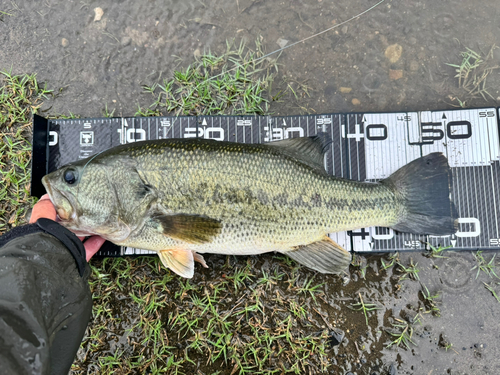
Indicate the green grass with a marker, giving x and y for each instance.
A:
(308, 288)
(410, 271)
(472, 73)
(402, 331)
(20, 97)
(444, 343)
(232, 83)
(393, 259)
(488, 267)
(165, 323)
(430, 301)
(360, 263)
(490, 288)
(364, 307)
(435, 252)
(106, 112)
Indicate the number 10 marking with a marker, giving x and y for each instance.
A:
(132, 135)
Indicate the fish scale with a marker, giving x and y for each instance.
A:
(273, 186)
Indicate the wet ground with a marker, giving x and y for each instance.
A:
(105, 62)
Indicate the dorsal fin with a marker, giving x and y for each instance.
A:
(309, 150)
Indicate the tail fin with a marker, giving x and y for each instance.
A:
(424, 186)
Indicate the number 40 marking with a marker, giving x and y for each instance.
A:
(374, 132)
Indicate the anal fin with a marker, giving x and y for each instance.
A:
(325, 256)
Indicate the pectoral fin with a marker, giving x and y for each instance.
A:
(195, 229)
(179, 261)
(325, 256)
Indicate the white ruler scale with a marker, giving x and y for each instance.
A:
(365, 147)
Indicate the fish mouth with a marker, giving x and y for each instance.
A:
(63, 206)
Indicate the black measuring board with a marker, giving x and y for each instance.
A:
(365, 147)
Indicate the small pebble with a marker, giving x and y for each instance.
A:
(395, 74)
(345, 90)
(393, 52)
(336, 337)
(126, 40)
(392, 370)
(355, 101)
(414, 65)
(282, 42)
(64, 42)
(98, 14)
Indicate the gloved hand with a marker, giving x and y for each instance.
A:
(45, 209)
(45, 300)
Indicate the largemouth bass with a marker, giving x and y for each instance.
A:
(185, 197)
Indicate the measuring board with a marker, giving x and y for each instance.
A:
(365, 147)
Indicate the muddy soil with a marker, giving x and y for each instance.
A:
(98, 62)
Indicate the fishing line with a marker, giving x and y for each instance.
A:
(305, 39)
(83, 170)
(92, 158)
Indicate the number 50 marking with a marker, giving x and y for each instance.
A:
(474, 225)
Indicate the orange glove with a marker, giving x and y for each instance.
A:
(45, 208)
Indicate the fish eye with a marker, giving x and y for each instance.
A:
(70, 176)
